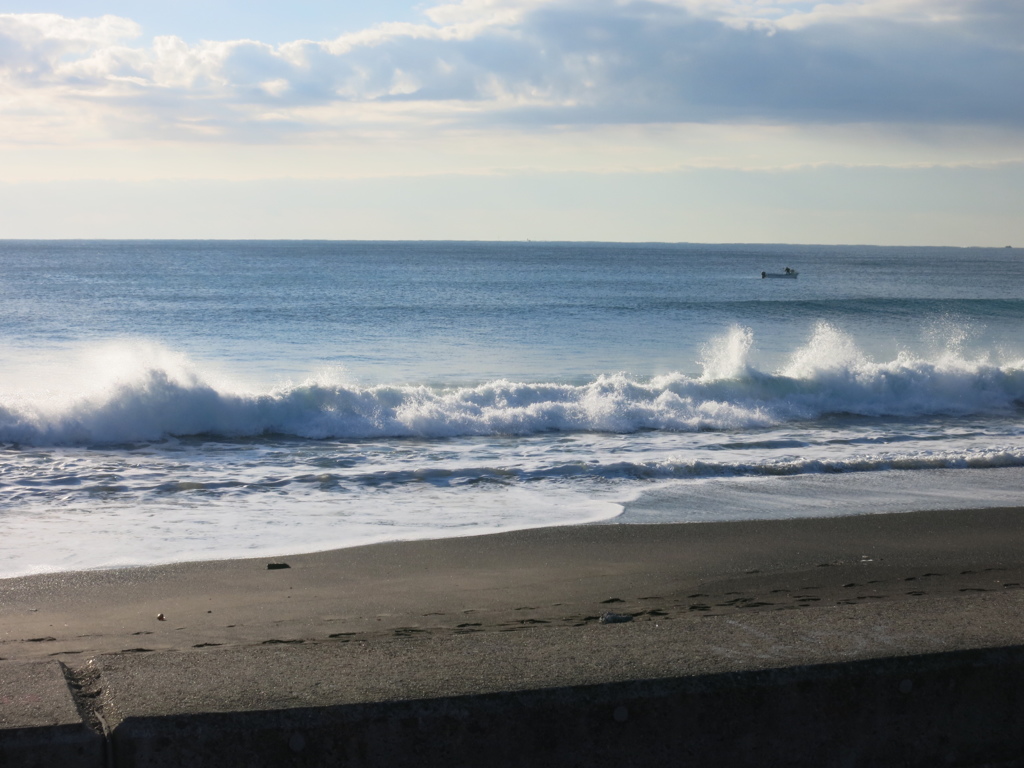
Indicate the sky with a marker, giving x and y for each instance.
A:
(896, 122)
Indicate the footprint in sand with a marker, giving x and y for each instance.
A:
(735, 601)
(408, 631)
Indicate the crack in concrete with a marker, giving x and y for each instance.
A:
(86, 689)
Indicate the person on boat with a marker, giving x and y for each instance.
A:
(764, 275)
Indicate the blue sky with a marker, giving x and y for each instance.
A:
(267, 20)
(872, 121)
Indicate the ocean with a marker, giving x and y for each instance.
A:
(165, 401)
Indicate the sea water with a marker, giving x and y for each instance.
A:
(180, 400)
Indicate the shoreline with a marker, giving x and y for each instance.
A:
(720, 500)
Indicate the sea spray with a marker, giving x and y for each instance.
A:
(827, 376)
(727, 357)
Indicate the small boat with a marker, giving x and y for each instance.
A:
(790, 273)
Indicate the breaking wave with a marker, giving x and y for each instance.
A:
(151, 400)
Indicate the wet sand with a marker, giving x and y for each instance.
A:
(519, 581)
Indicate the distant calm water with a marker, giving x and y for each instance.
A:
(165, 401)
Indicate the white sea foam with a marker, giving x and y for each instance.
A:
(751, 498)
(115, 534)
(145, 394)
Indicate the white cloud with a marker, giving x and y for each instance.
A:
(39, 31)
(527, 64)
(276, 87)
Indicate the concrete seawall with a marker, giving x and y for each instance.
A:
(946, 709)
(40, 725)
(960, 708)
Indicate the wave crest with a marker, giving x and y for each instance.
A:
(828, 376)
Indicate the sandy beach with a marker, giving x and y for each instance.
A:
(739, 643)
(524, 580)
